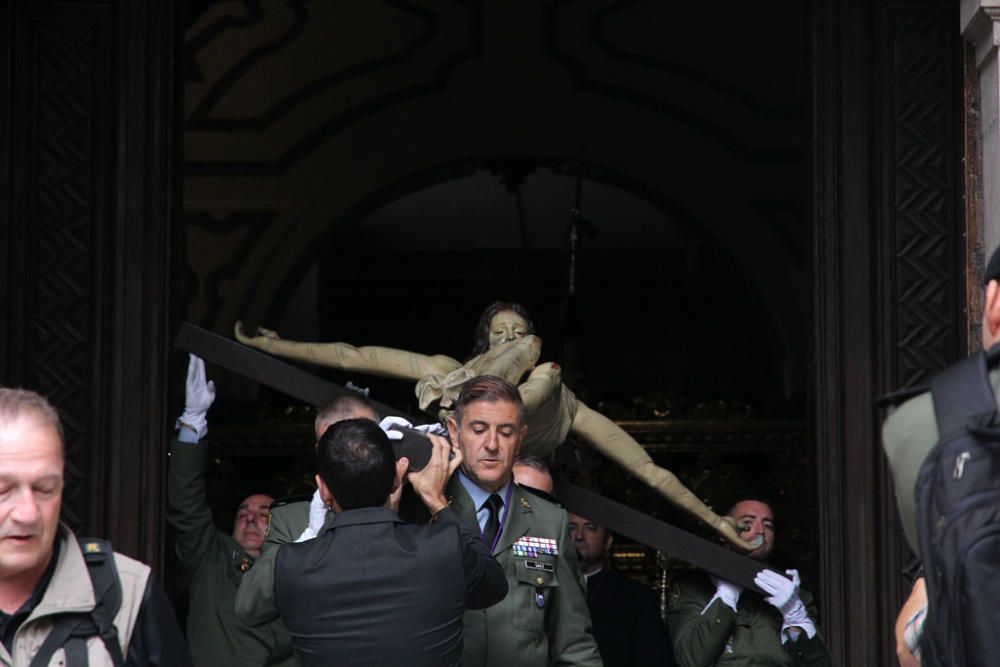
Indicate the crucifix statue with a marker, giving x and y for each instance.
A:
(505, 346)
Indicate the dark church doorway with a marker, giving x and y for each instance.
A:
(665, 331)
(379, 173)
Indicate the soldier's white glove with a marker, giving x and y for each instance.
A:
(435, 428)
(386, 425)
(199, 395)
(726, 591)
(783, 594)
(390, 421)
(317, 517)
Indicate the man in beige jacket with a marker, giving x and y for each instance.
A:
(47, 577)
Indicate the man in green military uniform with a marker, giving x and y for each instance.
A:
(716, 622)
(215, 561)
(544, 618)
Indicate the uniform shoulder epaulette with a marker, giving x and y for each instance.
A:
(288, 500)
(541, 494)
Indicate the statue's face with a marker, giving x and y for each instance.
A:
(507, 326)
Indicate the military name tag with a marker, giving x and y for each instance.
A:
(539, 565)
(532, 547)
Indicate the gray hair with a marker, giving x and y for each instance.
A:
(18, 404)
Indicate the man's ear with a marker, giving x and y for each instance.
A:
(324, 491)
(991, 314)
(453, 429)
(402, 465)
(608, 539)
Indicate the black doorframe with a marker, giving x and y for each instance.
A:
(87, 192)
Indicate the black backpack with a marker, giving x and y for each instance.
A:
(958, 520)
(71, 631)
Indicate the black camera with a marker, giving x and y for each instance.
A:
(415, 446)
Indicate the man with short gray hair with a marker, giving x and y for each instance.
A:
(52, 599)
(544, 618)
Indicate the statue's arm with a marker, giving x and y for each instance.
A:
(543, 381)
(610, 440)
(382, 361)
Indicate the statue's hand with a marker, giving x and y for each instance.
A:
(727, 528)
(511, 360)
(261, 340)
(268, 333)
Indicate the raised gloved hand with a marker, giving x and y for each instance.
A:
(199, 395)
(727, 591)
(783, 594)
(317, 517)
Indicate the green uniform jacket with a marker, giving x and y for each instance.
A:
(288, 520)
(216, 564)
(750, 637)
(517, 631)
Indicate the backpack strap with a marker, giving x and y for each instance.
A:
(100, 559)
(71, 631)
(58, 636)
(961, 391)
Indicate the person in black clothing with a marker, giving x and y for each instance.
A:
(372, 589)
(626, 617)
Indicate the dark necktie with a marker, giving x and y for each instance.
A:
(493, 504)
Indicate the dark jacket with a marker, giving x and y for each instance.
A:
(374, 590)
(627, 623)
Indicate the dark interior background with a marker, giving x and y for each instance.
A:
(378, 175)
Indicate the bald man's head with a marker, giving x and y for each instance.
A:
(341, 408)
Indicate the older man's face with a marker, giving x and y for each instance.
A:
(252, 522)
(31, 483)
(489, 436)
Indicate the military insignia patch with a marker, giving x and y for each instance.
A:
(673, 594)
(531, 547)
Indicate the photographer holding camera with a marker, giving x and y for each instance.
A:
(372, 589)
